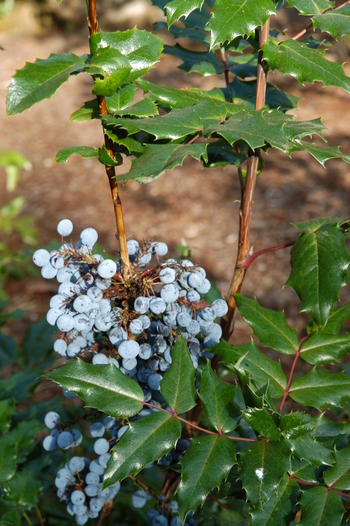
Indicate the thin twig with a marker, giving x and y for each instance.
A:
(219, 502)
(245, 264)
(106, 513)
(148, 489)
(309, 26)
(110, 170)
(312, 484)
(296, 357)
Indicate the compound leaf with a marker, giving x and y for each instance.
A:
(207, 462)
(40, 80)
(320, 507)
(322, 347)
(177, 387)
(178, 8)
(145, 441)
(338, 476)
(86, 152)
(268, 325)
(104, 387)
(310, 7)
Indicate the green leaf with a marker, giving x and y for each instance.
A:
(222, 154)
(194, 34)
(87, 112)
(262, 422)
(207, 462)
(177, 386)
(336, 318)
(112, 70)
(144, 108)
(7, 408)
(104, 387)
(325, 348)
(8, 457)
(321, 390)
(328, 430)
(269, 326)
(339, 476)
(145, 441)
(279, 509)
(319, 261)
(37, 342)
(178, 8)
(23, 436)
(301, 469)
(40, 80)
(24, 490)
(141, 49)
(275, 98)
(159, 158)
(308, 449)
(234, 18)
(254, 363)
(262, 465)
(86, 152)
(322, 154)
(8, 350)
(217, 399)
(203, 62)
(294, 425)
(120, 100)
(336, 22)
(11, 518)
(131, 145)
(20, 385)
(172, 97)
(320, 507)
(105, 158)
(304, 64)
(310, 7)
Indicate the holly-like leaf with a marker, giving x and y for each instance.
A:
(158, 158)
(194, 34)
(146, 440)
(304, 64)
(104, 387)
(203, 62)
(20, 385)
(268, 325)
(234, 18)
(24, 489)
(86, 152)
(336, 22)
(177, 387)
(40, 80)
(310, 7)
(141, 48)
(322, 154)
(322, 348)
(293, 425)
(132, 146)
(275, 98)
(111, 68)
(308, 449)
(23, 436)
(321, 507)
(178, 8)
(328, 430)
(338, 476)
(105, 158)
(7, 408)
(261, 420)
(172, 97)
(263, 464)
(222, 154)
(321, 390)
(337, 317)
(8, 457)
(301, 469)
(120, 100)
(280, 507)
(319, 262)
(255, 364)
(144, 108)
(208, 461)
(217, 399)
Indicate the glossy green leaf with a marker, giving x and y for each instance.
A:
(279, 509)
(140, 48)
(86, 152)
(338, 476)
(308, 449)
(105, 158)
(320, 507)
(24, 489)
(8, 457)
(104, 387)
(110, 69)
(177, 387)
(310, 7)
(146, 440)
(7, 408)
(337, 317)
(336, 23)
(159, 158)
(293, 425)
(40, 80)
(321, 390)
(322, 347)
(269, 326)
(8, 350)
(304, 64)
(301, 469)
(234, 18)
(328, 430)
(23, 436)
(322, 154)
(120, 100)
(132, 146)
(275, 98)
(172, 97)
(254, 363)
(262, 422)
(319, 261)
(208, 461)
(178, 8)
(220, 153)
(262, 466)
(217, 399)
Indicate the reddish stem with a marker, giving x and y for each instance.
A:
(245, 264)
(286, 391)
(329, 488)
(219, 502)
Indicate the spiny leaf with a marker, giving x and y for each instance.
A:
(305, 64)
(262, 422)
(86, 152)
(145, 441)
(320, 507)
(178, 8)
(177, 387)
(322, 154)
(112, 70)
(269, 326)
(310, 7)
(192, 33)
(217, 399)
(158, 158)
(337, 317)
(322, 348)
(207, 462)
(254, 363)
(105, 157)
(40, 80)
(319, 261)
(24, 489)
(293, 425)
(309, 449)
(321, 390)
(234, 18)
(339, 476)
(172, 97)
(104, 387)
(336, 22)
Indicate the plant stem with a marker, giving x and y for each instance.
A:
(309, 26)
(149, 490)
(110, 170)
(286, 391)
(246, 264)
(219, 502)
(306, 483)
(27, 519)
(247, 201)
